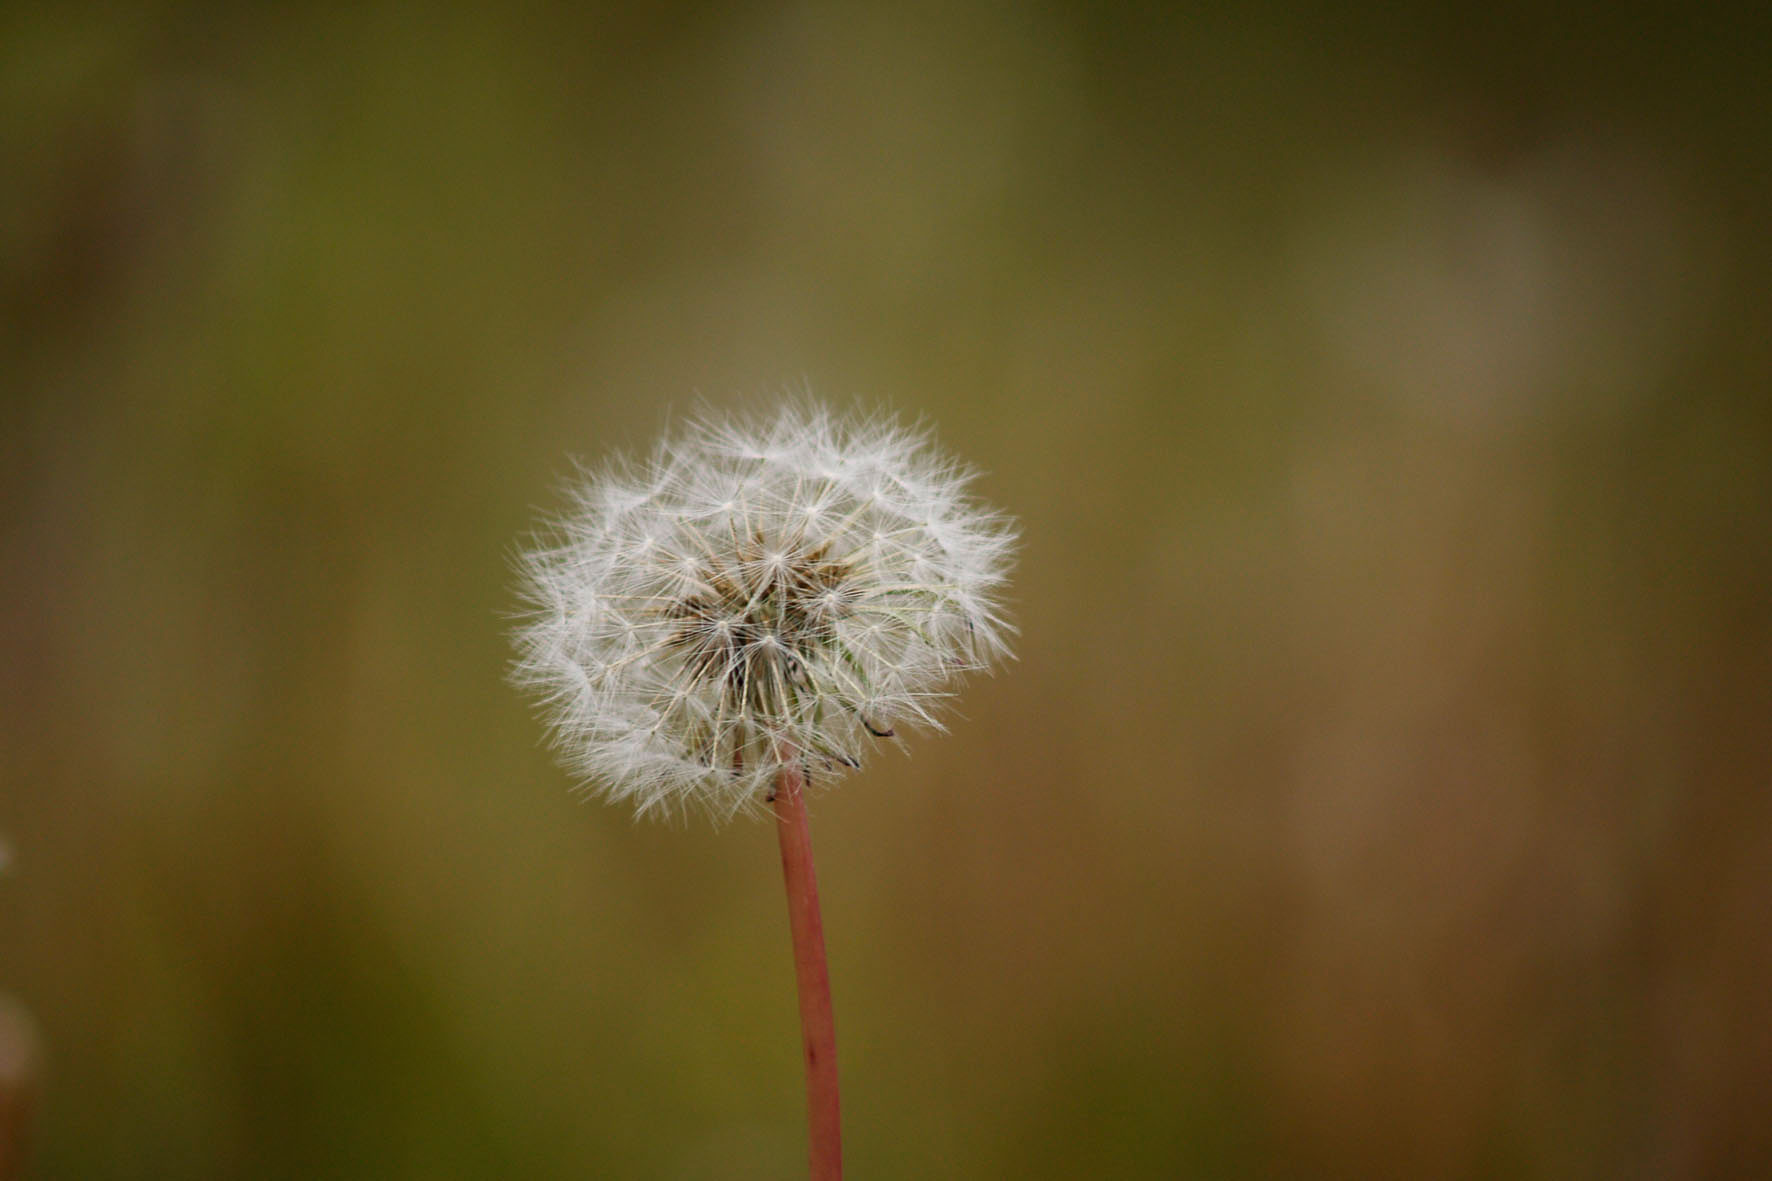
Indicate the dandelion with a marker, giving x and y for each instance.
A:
(759, 596)
(748, 612)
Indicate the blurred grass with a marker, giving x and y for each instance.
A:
(1381, 788)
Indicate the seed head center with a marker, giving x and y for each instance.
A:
(753, 620)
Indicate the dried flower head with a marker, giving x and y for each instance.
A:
(759, 591)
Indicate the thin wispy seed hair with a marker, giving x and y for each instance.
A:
(790, 587)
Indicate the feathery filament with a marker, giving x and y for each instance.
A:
(782, 588)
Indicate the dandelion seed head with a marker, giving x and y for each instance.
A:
(795, 586)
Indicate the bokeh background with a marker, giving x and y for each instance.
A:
(1382, 789)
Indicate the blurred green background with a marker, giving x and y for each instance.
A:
(1383, 786)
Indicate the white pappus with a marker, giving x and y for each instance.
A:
(760, 590)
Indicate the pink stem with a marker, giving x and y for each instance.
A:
(18, 1064)
(818, 1028)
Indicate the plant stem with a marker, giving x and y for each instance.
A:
(818, 1029)
(18, 1063)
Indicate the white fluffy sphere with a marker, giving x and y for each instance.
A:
(758, 592)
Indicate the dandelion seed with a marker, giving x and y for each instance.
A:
(760, 591)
